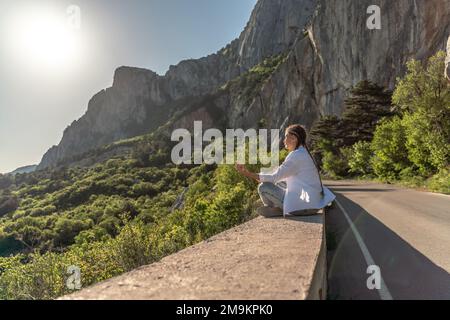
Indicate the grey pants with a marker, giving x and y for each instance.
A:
(273, 195)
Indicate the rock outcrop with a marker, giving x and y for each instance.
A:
(339, 51)
(139, 100)
(329, 49)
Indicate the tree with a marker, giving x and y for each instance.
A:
(324, 137)
(423, 95)
(425, 88)
(427, 149)
(366, 105)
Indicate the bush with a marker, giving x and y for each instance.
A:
(226, 210)
(135, 246)
(423, 95)
(95, 234)
(93, 218)
(172, 239)
(440, 182)
(67, 230)
(427, 148)
(389, 147)
(144, 188)
(334, 165)
(359, 162)
(8, 204)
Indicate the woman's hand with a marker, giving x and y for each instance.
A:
(243, 170)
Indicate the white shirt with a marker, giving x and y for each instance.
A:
(303, 185)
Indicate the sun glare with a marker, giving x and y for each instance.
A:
(42, 39)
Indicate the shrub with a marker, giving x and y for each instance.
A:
(423, 95)
(135, 246)
(67, 230)
(427, 148)
(359, 162)
(335, 165)
(389, 147)
(440, 182)
(8, 204)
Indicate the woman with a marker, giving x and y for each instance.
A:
(304, 193)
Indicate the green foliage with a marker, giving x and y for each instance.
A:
(325, 135)
(409, 141)
(8, 204)
(389, 147)
(424, 88)
(367, 104)
(424, 97)
(117, 215)
(135, 246)
(428, 149)
(336, 166)
(250, 83)
(417, 143)
(67, 229)
(43, 276)
(112, 218)
(359, 162)
(440, 182)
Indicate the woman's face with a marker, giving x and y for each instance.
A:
(290, 141)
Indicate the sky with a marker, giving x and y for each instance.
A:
(56, 54)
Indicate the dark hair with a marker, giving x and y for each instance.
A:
(299, 132)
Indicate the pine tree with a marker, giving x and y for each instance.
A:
(326, 128)
(366, 105)
(324, 137)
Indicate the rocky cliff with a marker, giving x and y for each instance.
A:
(139, 100)
(328, 48)
(339, 50)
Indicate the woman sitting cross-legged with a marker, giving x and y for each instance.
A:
(294, 188)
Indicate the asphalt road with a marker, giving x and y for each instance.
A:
(404, 232)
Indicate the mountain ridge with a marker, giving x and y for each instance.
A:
(328, 48)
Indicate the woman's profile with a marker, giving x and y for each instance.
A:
(294, 188)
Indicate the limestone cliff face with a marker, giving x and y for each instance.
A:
(274, 26)
(329, 49)
(348, 52)
(138, 100)
(339, 51)
(112, 114)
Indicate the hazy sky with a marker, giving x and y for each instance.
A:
(48, 73)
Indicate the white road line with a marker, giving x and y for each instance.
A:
(384, 291)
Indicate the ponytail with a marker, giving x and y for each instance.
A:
(317, 169)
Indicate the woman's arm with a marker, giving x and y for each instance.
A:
(243, 170)
(290, 167)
